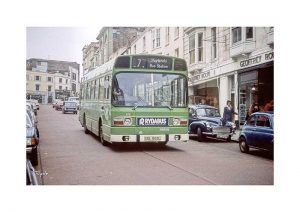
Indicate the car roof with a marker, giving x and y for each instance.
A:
(268, 113)
(201, 106)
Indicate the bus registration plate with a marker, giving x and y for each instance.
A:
(150, 138)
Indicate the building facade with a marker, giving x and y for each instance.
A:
(224, 63)
(47, 80)
(230, 63)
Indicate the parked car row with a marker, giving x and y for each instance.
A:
(32, 142)
(257, 132)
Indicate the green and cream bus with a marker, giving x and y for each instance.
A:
(136, 98)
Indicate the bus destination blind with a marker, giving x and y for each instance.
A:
(150, 62)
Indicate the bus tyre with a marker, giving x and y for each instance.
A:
(86, 131)
(100, 136)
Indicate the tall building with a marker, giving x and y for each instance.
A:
(47, 80)
(90, 56)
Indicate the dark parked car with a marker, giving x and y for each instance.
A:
(31, 178)
(69, 106)
(258, 132)
(205, 121)
(59, 105)
(32, 141)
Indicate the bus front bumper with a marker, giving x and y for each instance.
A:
(149, 138)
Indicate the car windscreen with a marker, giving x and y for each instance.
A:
(28, 121)
(207, 112)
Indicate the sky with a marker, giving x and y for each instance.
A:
(59, 43)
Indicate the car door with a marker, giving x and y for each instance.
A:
(249, 130)
(264, 132)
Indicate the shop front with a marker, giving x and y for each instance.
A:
(256, 86)
(206, 93)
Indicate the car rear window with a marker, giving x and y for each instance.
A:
(70, 104)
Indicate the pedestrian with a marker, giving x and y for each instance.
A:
(228, 112)
(269, 106)
(252, 109)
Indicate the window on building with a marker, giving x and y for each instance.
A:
(73, 76)
(37, 78)
(236, 34)
(60, 80)
(214, 42)
(153, 39)
(177, 52)
(167, 35)
(249, 32)
(37, 87)
(49, 79)
(66, 81)
(60, 87)
(144, 43)
(27, 77)
(192, 49)
(176, 32)
(200, 47)
(66, 88)
(134, 49)
(157, 37)
(49, 87)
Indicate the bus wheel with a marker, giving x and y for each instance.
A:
(86, 131)
(100, 136)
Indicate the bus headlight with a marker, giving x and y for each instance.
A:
(122, 121)
(176, 121)
(127, 122)
(179, 122)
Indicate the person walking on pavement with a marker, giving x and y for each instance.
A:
(228, 112)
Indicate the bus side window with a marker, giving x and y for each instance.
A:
(106, 87)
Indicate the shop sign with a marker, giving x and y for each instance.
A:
(258, 59)
(202, 76)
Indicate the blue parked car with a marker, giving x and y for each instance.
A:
(258, 132)
(206, 121)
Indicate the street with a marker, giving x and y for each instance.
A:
(68, 156)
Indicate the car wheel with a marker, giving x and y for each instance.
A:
(243, 145)
(34, 157)
(228, 138)
(100, 136)
(86, 131)
(200, 136)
